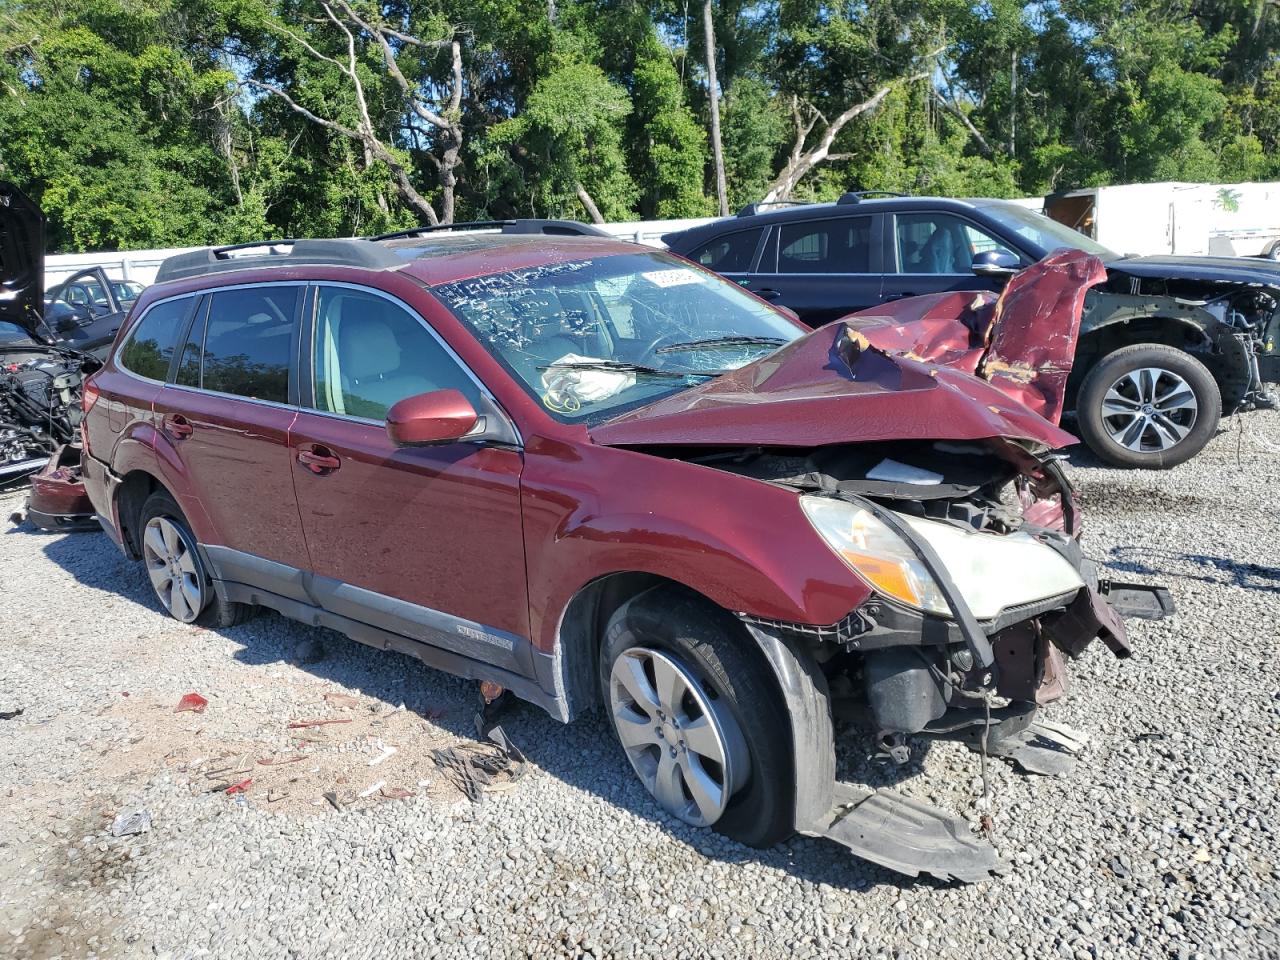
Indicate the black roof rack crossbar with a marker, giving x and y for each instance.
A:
(343, 253)
(751, 209)
(562, 228)
(857, 196)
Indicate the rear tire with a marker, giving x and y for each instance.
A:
(176, 570)
(1149, 406)
(726, 702)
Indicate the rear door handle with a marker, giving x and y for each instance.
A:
(177, 426)
(319, 459)
(898, 296)
(767, 294)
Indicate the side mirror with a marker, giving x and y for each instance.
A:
(435, 417)
(995, 264)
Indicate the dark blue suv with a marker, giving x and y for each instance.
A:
(1167, 344)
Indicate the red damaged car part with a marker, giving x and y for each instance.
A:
(58, 500)
(1022, 342)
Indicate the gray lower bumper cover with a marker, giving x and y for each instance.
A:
(881, 826)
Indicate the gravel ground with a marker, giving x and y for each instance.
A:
(1163, 843)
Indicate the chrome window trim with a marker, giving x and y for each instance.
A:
(203, 391)
(392, 298)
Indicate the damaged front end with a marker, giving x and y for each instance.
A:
(41, 378)
(981, 594)
(40, 413)
(949, 502)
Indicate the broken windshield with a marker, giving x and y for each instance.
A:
(588, 338)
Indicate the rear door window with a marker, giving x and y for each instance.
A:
(728, 253)
(825, 246)
(150, 346)
(244, 342)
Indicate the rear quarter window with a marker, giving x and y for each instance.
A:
(149, 348)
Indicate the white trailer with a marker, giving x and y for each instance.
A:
(1237, 219)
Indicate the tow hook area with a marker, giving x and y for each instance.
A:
(1015, 733)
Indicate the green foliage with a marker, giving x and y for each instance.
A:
(135, 122)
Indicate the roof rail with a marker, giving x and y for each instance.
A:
(559, 228)
(857, 196)
(277, 253)
(751, 209)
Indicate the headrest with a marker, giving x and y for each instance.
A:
(367, 346)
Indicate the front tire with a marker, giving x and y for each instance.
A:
(1149, 406)
(698, 716)
(177, 572)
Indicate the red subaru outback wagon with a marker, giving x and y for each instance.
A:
(596, 474)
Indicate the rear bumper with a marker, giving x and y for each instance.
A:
(100, 486)
(58, 500)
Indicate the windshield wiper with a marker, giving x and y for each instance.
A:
(626, 366)
(726, 341)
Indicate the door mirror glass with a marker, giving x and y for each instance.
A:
(995, 263)
(438, 416)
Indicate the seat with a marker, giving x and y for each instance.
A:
(372, 378)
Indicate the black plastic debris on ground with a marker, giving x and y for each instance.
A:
(474, 768)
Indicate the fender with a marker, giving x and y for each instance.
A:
(742, 543)
(141, 447)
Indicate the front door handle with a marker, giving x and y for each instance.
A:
(898, 296)
(318, 459)
(177, 426)
(767, 294)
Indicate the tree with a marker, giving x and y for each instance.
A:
(404, 60)
(713, 101)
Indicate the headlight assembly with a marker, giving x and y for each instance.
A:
(876, 554)
(990, 571)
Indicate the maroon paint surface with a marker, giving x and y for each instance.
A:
(507, 538)
(1024, 342)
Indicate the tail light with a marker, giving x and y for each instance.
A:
(89, 395)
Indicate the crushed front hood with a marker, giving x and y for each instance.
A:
(831, 386)
(1023, 342)
(21, 259)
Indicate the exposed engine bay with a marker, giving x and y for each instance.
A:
(39, 405)
(1232, 328)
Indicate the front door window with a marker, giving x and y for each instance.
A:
(368, 353)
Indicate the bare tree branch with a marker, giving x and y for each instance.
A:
(954, 109)
(802, 161)
(340, 14)
(592, 210)
(374, 146)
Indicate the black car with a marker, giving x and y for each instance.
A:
(1167, 344)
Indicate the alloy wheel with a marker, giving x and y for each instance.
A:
(171, 564)
(685, 746)
(1149, 409)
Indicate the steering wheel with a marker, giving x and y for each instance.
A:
(651, 349)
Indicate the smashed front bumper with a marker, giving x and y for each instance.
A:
(981, 684)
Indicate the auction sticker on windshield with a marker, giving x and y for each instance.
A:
(673, 278)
